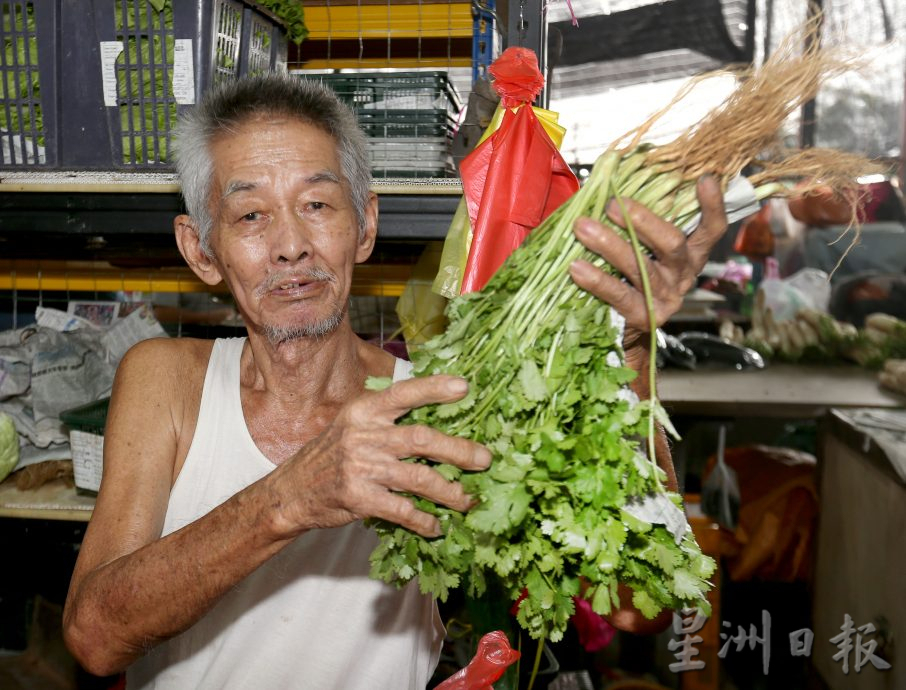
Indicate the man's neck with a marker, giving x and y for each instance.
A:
(309, 372)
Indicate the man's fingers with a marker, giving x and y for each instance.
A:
(402, 511)
(713, 223)
(423, 441)
(403, 396)
(607, 244)
(620, 295)
(421, 480)
(664, 240)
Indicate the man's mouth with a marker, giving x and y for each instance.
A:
(296, 285)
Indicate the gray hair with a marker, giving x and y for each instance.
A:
(229, 105)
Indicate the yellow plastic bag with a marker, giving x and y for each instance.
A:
(419, 308)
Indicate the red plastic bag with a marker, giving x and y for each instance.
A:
(493, 657)
(516, 177)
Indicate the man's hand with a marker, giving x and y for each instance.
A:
(354, 469)
(672, 271)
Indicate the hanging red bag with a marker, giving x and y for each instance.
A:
(516, 177)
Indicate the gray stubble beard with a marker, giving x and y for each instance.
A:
(278, 335)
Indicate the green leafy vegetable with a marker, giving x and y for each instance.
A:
(9, 445)
(292, 15)
(549, 396)
(571, 504)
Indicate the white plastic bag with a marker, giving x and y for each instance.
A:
(809, 288)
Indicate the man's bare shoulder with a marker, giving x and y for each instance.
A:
(163, 362)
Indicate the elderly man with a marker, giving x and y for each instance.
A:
(227, 549)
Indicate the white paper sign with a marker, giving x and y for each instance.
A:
(110, 51)
(183, 72)
(87, 459)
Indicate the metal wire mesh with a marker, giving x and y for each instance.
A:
(21, 122)
(259, 59)
(143, 77)
(226, 40)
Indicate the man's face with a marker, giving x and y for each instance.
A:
(285, 235)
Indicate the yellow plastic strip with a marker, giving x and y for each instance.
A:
(379, 63)
(368, 280)
(453, 20)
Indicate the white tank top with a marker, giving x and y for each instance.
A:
(310, 617)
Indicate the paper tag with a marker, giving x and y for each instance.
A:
(183, 72)
(87, 459)
(739, 202)
(658, 509)
(110, 51)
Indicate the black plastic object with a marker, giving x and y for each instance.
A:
(89, 84)
(670, 351)
(90, 418)
(712, 350)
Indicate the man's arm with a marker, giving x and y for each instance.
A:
(672, 272)
(132, 589)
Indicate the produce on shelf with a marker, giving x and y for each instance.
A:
(571, 504)
(893, 376)
(9, 445)
(817, 337)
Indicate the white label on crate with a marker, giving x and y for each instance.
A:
(183, 72)
(110, 51)
(87, 459)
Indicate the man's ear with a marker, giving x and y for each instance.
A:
(190, 248)
(367, 240)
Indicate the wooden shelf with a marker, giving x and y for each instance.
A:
(779, 390)
(53, 501)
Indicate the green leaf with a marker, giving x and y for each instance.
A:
(533, 386)
(600, 603)
(378, 383)
(686, 585)
(503, 506)
(644, 603)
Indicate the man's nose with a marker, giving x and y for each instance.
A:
(290, 239)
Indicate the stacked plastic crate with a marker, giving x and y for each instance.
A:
(98, 84)
(408, 118)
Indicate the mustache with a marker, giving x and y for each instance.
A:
(313, 273)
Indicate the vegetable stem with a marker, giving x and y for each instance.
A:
(537, 663)
(652, 343)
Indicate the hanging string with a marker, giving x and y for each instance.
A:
(361, 39)
(15, 301)
(389, 23)
(421, 28)
(329, 33)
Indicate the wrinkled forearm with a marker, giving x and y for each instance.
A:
(122, 609)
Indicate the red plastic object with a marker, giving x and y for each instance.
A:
(756, 239)
(490, 662)
(516, 177)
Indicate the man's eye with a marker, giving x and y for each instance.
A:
(253, 216)
(316, 205)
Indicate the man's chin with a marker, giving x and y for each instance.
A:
(280, 334)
